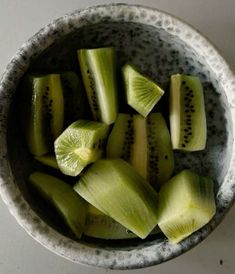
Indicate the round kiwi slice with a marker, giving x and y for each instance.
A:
(80, 144)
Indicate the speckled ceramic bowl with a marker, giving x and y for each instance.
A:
(160, 45)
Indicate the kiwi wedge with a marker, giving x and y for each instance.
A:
(116, 189)
(80, 144)
(186, 203)
(145, 143)
(68, 203)
(42, 111)
(75, 100)
(48, 160)
(98, 68)
(187, 113)
(141, 92)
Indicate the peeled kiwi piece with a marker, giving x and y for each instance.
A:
(68, 203)
(75, 100)
(116, 189)
(48, 160)
(186, 203)
(42, 111)
(187, 113)
(145, 143)
(99, 225)
(81, 143)
(160, 153)
(98, 68)
(141, 92)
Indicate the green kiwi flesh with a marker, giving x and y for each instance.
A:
(121, 138)
(144, 143)
(187, 113)
(186, 203)
(116, 189)
(68, 203)
(42, 111)
(48, 160)
(99, 225)
(98, 68)
(160, 153)
(141, 92)
(75, 100)
(80, 144)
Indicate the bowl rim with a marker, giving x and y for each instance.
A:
(147, 255)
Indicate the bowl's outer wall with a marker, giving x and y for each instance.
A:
(195, 56)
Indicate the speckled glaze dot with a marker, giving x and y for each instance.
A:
(159, 45)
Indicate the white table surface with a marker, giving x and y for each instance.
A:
(19, 253)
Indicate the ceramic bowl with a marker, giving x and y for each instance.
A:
(160, 45)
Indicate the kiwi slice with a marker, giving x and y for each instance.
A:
(75, 101)
(98, 68)
(141, 92)
(99, 225)
(80, 144)
(121, 138)
(187, 113)
(68, 203)
(48, 160)
(145, 143)
(160, 154)
(186, 203)
(42, 111)
(116, 189)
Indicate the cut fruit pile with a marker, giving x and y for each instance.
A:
(124, 162)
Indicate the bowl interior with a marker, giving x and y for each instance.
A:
(157, 54)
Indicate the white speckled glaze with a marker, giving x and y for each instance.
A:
(160, 45)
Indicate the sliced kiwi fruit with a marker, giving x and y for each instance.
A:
(48, 160)
(75, 100)
(187, 113)
(145, 143)
(160, 154)
(98, 68)
(80, 144)
(116, 189)
(99, 225)
(121, 138)
(42, 111)
(68, 203)
(186, 203)
(141, 92)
